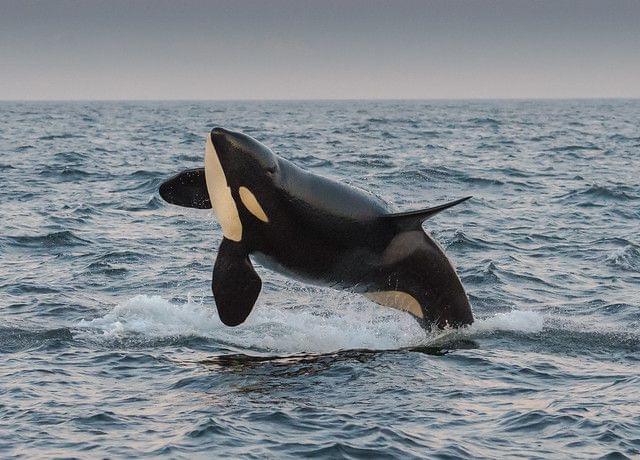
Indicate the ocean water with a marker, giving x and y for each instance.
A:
(110, 344)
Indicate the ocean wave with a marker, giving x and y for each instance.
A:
(69, 156)
(541, 138)
(121, 257)
(64, 173)
(64, 238)
(192, 138)
(107, 269)
(574, 148)
(588, 336)
(536, 420)
(622, 138)
(16, 339)
(462, 241)
(147, 174)
(482, 181)
(153, 203)
(486, 274)
(53, 137)
(436, 147)
(364, 162)
(617, 193)
(199, 158)
(431, 134)
(106, 420)
(378, 120)
(24, 287)
(150, 185)
(626, 258)
(484, 121)
(389, 121)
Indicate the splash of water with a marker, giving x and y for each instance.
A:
(293, 326)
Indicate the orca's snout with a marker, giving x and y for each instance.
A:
(224, 140)
(219, 131)
(219, 135)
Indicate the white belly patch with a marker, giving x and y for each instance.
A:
(398, 300)
(224, 207)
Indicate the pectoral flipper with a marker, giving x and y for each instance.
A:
(235, 283)
(188, 189)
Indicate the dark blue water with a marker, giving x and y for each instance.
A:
(110, 344)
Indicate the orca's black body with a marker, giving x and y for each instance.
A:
(316, 230)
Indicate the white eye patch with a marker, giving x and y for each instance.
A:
(250, 202)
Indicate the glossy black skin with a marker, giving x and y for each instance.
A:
(324, 232)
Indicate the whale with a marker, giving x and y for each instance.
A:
(315, 230)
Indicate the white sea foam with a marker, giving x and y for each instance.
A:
(352, 323)
(297, 324)
(525, 321)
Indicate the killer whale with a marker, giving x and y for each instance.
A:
(315, 230)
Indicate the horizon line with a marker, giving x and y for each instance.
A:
(418, 99)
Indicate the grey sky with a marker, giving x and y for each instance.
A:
(318, 49)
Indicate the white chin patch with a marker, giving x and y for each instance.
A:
(222, 202)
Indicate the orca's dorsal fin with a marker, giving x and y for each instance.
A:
(419, 216)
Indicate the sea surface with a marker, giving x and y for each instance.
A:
(110, 344)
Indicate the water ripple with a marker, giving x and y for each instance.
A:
(111, 345)
(64, 238)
